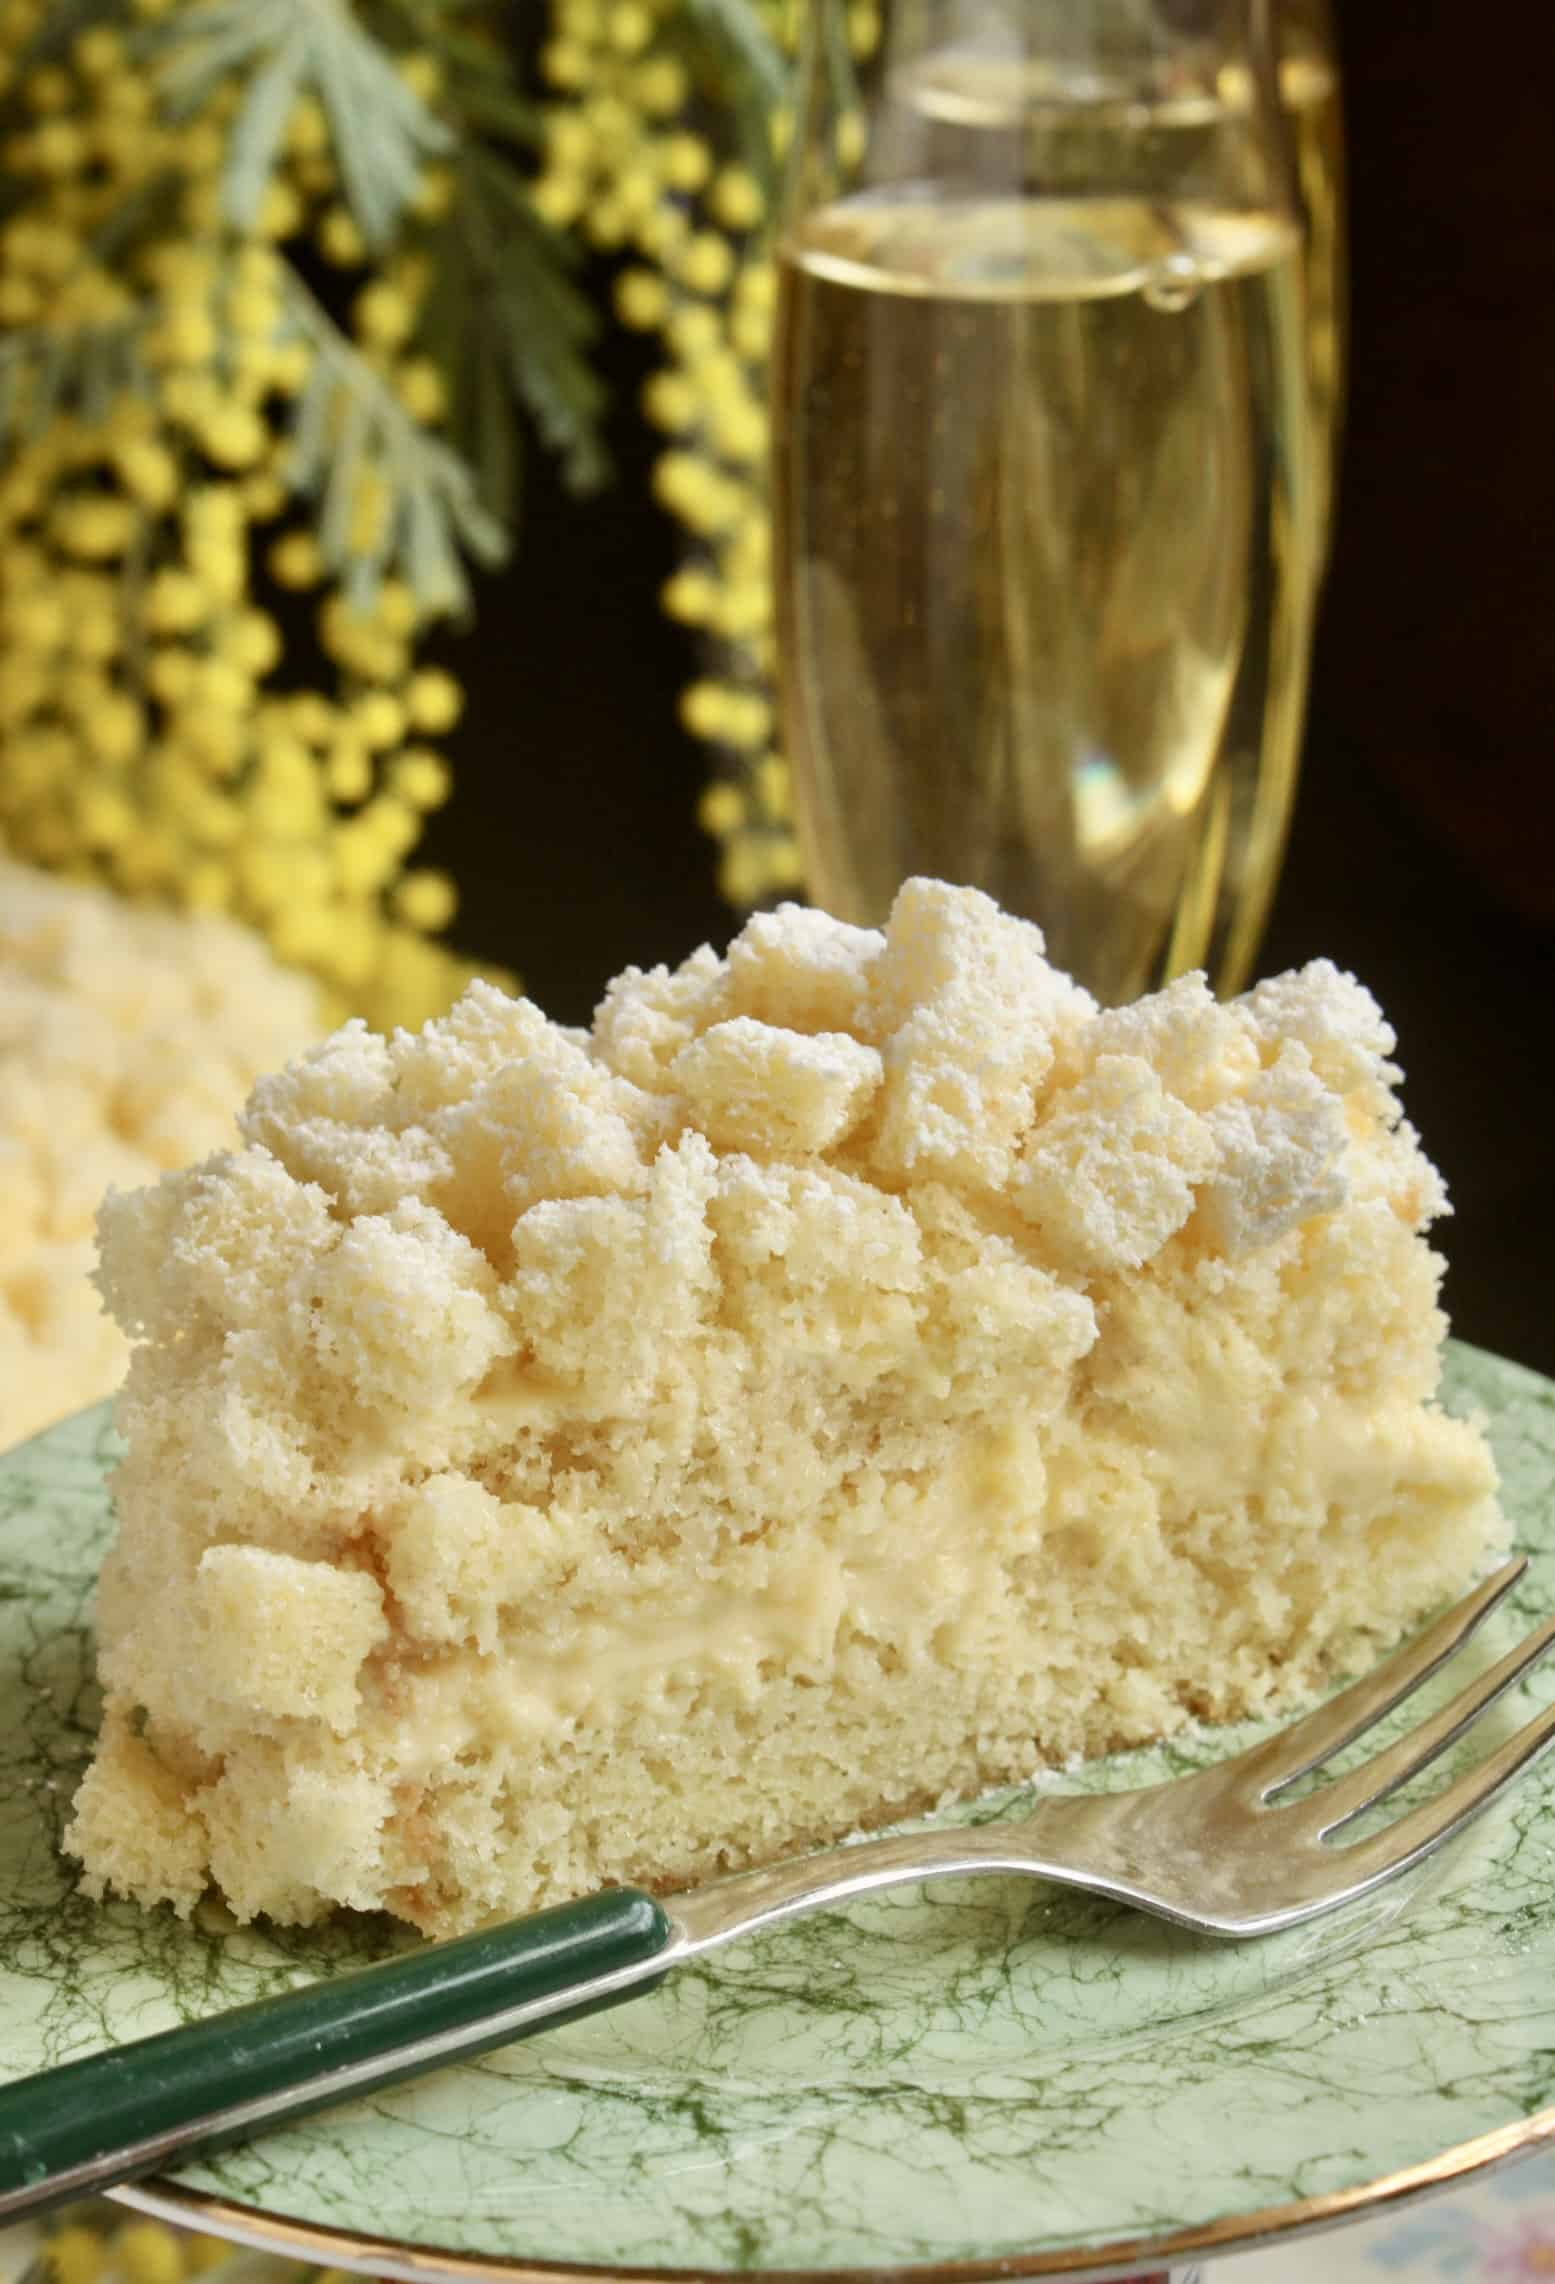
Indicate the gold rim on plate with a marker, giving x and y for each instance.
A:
(1244, 2232)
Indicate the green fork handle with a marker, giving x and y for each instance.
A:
(113, 2116)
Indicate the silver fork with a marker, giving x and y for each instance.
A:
(1220, 1851)
(1216, 1851)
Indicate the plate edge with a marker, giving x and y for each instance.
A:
(388, 2257)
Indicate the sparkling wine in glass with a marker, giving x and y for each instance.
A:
(1045, 506)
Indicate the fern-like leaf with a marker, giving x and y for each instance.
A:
(350, 427)
(47, 373)
(503, 307)
(383, 133)
(733, 31)
(747, 67)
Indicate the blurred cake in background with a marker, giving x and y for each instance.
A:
(128, 1039)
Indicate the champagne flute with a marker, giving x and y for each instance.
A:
(1309, 92)
(1309, 97)
(1045, 507)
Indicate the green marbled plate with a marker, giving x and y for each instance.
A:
(984, 2072)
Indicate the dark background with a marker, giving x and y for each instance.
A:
(1423, 850)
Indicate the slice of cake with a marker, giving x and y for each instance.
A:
(855, 1371)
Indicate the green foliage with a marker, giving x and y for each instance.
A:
(507, 319)
(383, 133)
(48, 373)
(743, 61)
(479, 73)
(350, 428)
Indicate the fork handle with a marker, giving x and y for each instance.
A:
(116, 2115)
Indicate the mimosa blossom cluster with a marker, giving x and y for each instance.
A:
(192, 706)
(624, 166)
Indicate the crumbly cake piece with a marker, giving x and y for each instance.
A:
(856, 1368)
(128, 1040)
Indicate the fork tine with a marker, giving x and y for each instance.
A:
(1426, 1827)
(1306, 1744)
(1349, 1796)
